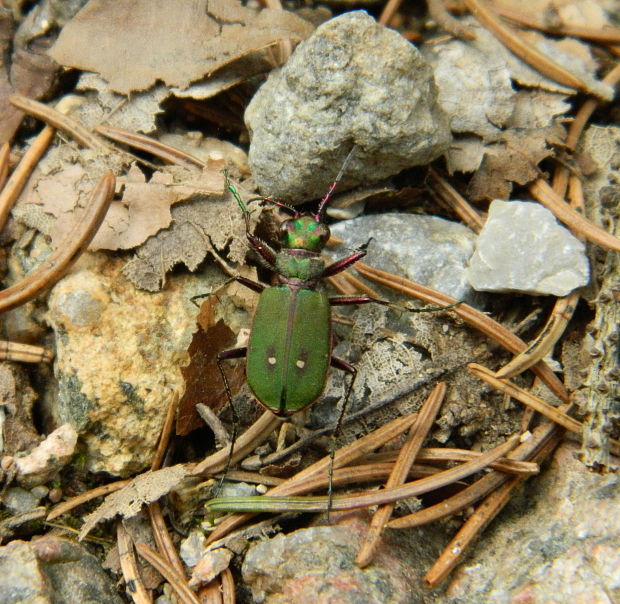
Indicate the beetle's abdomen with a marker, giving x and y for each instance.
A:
(289, 348)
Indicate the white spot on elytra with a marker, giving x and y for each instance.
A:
(301, 364)
(271, 360)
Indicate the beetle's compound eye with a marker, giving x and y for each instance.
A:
(305, 233)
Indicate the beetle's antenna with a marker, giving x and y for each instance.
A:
(332, 188)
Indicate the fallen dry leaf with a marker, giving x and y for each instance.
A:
(514, 159)
(128, 501)
(145, 206)
(195, 225)
(203, 382)
(134, 43)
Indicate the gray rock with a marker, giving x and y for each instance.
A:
(52, 569)
(559, 542)
(426, 249)
(318, 565)
(522, 248)
(20, 500)
(352, 82)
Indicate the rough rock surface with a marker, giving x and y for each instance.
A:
(119, 354)
(318, 565)
(352, 82)
(426, 249)
(522, 248)
(52, 569)
(559, 542)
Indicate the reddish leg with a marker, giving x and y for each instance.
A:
(342, 264)
(253, 285)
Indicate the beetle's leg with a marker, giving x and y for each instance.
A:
(352, 300)
(343, 264)
(343, 366)
(253, 285)
(233, 353)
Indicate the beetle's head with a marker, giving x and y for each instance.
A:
(304, 232)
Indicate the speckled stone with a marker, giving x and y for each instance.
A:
(352, 81)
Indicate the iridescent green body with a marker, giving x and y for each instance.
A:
(289, 349)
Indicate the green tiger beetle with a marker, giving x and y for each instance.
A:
(290, 345)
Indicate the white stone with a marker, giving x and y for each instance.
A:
(522, 248)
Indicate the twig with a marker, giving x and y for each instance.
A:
(469, 314)
(455, 201)
(536, 403)
(389, 10)
(5, 154)
(406, 457)
(543, 193)
(129, 566)
(478, 489)
(58, 120)
(18, 178)
(474, 525)
(208, 416)
(178, 584)
(75, 243)
(447, 22)
(361, 500)
(166, 432)
(24, 353)
(163, 540)
(150, 145)
(544, 342)
(609, 35)
(528, 53)
(343, 456)
(257, 433)
(228, 586)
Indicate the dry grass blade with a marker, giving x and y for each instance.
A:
(474, 525)
(56, 119)
(472, 316)
(178, 584)
(76, 242)
(129, 566)
(543, 193)
(149, 145)
(455, 201)
(343, 456)
(529, 54)
(166, 432)
(24, 353)
(406, 457)
(536, 403)
(106, 489)
(18, 178)
(543, 344)
(609, 35)
(163, 540)
(256, 434)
